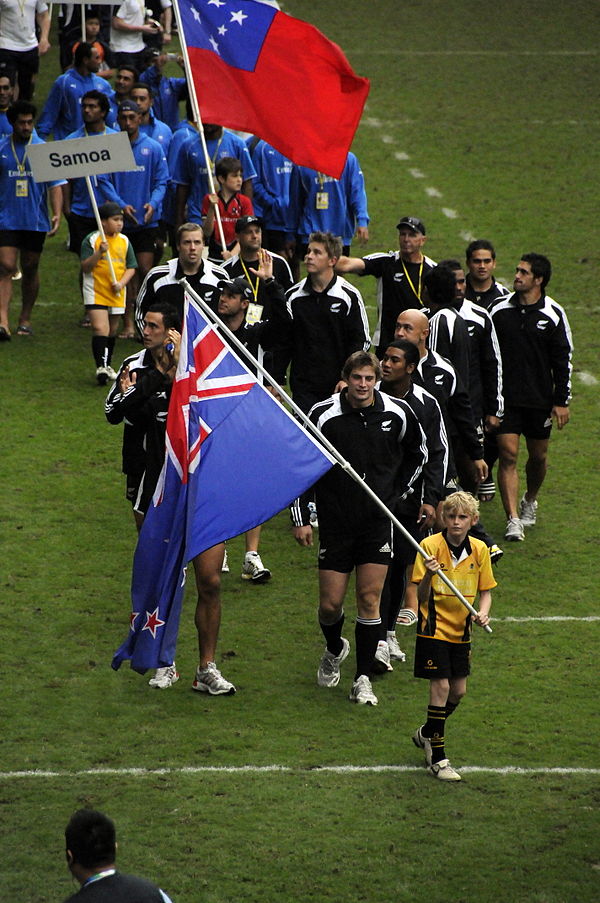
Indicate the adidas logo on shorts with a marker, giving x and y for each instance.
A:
(386, 548)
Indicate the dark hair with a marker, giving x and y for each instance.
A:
(83, 51)
(333, 243)
(9, 73)
(170, 315)
(128, 67)
(481, 244)
(227, 166)
(410, 351)
(20, 108)
(441, 285)
(451, 264)
(142, 86)
(99, 96)
(540, 266)
(90, 836)
(358, 360)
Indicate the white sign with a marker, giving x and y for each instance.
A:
(79, 157)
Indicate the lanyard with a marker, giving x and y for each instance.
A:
(416, 292)
(249, 278)
(20, 165)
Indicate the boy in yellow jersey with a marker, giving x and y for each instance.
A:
(443, 646)
(103, 296)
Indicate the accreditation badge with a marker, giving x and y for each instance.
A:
(254, 313)
(22, 188)
(322, 200)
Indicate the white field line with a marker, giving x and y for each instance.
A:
(285, 769)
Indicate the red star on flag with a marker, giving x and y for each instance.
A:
(132, 618)
(153, 622)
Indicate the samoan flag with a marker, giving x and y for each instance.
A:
(262, 71)
(234, 458)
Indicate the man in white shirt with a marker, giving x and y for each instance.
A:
(20, 49)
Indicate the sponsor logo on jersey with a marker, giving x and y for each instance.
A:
(386, 426)
(439, 379)
(336, 307)
(398, 277)
(541, 324)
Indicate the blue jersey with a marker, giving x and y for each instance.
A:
(182, 133)
(62, 110)
(159, 131)
(102, 185)
(271, 186)
(167, 94)
(5, 126)
(325, 204)
(190, 167)
(24, 201)
(144, 185)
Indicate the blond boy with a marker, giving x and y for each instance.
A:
(443, 644)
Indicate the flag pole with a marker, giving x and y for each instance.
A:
(197, 117)
(316, 432)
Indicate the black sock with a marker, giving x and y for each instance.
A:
(450, 707)
(110, 347)
(100, 349)
(333, 635)
(366, 633)
(433, 729)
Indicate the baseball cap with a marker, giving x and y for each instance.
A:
(244, 221)
(238, 286)
(413, 223)
(110, 208)
(128, 106)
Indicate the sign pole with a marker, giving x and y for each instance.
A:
(88, 182)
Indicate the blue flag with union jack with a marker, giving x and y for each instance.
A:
(234, 458)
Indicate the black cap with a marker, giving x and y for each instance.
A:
(128, 106)
(244, 221)
(110, 208)
(413, 223)
(238, 286)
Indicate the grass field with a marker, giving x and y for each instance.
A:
(482, 121)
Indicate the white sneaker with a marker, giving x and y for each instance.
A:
(101, 376)
(164, 677)
(514, 530)
(328, 674)
(362, 691)
(382, 663)
(253, 569)
(443, 771)
(396, 653)
(112, 374)
(225, 565)
(528, 512)
(210, 680)
(423, 743)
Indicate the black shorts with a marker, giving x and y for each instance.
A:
(533, 423)
(79, 227)
(404, 551)
(143, 240)
(26, 64)
(439, 659)
(344, 553)
(23, 239)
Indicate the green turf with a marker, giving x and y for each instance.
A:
(509, 138)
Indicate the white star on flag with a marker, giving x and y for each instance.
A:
(216, 3)
(222, 30)
(213, 44)
(238, 17)
(195, 14)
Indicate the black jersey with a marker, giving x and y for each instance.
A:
(399, 287)
(162, 284)
(119, 888)
(385, 445)
(485, 362)
(536, 346)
